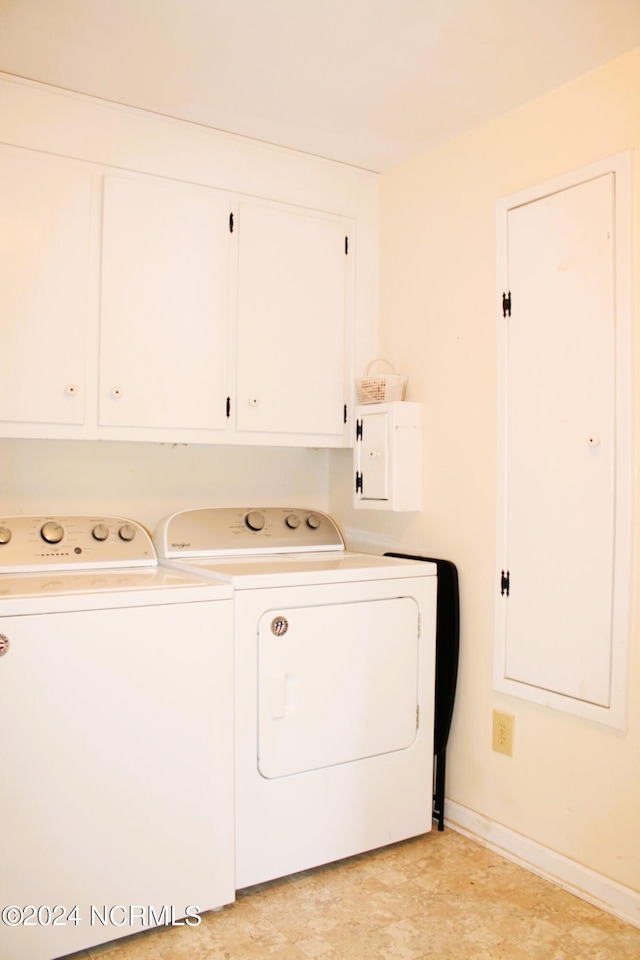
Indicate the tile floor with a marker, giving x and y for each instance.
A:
(439, 897)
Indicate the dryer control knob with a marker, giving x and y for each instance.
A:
(313, 521)
(100, 531)
(5, 535)
(293, 521)
(127, 532)
(52, 532)
(255, 520)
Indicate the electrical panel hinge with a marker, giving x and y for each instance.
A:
(505, 582)
(506, 304)
(358, 482)
(228, 407)
(359, 425)
(230, 223)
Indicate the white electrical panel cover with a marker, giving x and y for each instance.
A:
(387, 457)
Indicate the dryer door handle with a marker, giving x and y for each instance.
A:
(282, 695)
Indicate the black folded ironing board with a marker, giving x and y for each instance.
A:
(447, 653)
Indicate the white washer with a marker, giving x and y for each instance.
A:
(334, 688)
(116, 744)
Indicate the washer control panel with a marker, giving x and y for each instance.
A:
(219, 531)
(29, 544)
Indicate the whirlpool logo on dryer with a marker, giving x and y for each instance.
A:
(181, 546)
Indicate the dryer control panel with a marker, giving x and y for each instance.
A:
(220, 531)
(32, 544)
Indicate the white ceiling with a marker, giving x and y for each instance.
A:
(367, 82)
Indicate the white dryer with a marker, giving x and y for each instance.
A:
(116, 745)
(334, 684)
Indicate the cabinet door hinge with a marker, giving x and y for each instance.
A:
(228, 407)
(506, 304)
(417, 716)
(505, 582)
(230, 223)
(358, 482)
(359, 425)
(345, 413)
(346, 245)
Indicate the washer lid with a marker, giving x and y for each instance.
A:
(59, 591)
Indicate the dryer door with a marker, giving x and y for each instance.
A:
(336, 683)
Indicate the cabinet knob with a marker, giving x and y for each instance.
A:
(116, 392)
(593, 439)
(254, 401)
(5, 535)
(71, 389)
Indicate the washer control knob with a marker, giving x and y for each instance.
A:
(127, 532)
(52, 532)
(255, 520)
(100, 531)
(293, 521)
(5, 535)
(313, 521)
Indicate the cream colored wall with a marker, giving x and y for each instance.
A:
(571, 786)
(146, 481)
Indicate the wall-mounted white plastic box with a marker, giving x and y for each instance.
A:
(387, 457)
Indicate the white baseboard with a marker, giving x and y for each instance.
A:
(621, 901)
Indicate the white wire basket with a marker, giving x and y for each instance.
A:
(382, 387)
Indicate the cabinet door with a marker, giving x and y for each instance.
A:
(163, 349)
(388, 456)
(45, 214)
(292, 309)
(372, 457)
(560, 630)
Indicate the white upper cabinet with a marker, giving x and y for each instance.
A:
(164, 293)
(45, 227)
(169, 283)
(144, 308)
(292, 322)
